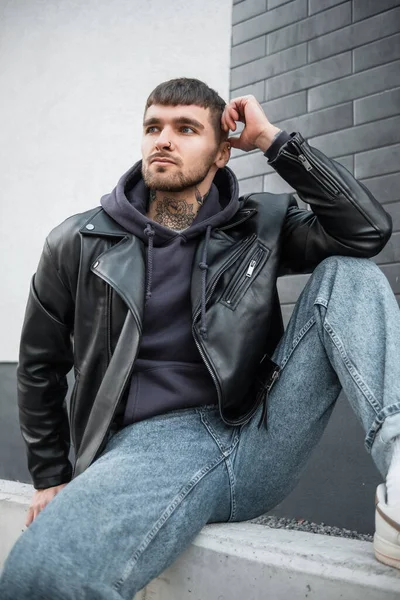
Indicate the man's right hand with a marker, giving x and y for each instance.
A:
(40, 500)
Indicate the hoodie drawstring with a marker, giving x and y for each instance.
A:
(149, 231)
(204, 268)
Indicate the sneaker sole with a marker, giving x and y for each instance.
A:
(386, 552)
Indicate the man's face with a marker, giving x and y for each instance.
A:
(193, 147)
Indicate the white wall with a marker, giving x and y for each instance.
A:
(74, 77)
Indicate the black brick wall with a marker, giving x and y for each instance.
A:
(331, 70)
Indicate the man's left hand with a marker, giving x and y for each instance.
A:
(258, 131)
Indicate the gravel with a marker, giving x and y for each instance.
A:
(310, 527)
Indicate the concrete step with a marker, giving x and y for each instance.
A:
(245, 561)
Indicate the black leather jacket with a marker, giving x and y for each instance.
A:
(85, 307)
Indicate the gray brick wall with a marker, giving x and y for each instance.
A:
(331, 70)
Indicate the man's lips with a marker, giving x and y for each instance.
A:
(163, 160)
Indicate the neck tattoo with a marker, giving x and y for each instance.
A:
(173, 213)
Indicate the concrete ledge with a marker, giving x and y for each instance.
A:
(246, 561)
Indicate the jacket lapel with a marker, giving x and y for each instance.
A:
(122, 265)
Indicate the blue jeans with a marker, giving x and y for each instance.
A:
(158, 482)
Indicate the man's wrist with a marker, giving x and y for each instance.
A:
(266, 138)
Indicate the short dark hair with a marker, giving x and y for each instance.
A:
(188, 91)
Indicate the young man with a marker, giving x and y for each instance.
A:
(164, 301)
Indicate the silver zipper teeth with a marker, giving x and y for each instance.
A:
(323, 183)
(242, 277)
(208, 296)
(309, 158)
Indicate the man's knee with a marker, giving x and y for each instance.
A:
(360, 271)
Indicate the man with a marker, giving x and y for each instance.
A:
(164, 301)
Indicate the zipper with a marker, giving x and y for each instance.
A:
(243, 278)
(209, 292)
(309, 165)
(240, 250)
(108, 308)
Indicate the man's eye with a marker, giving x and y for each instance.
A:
(148, 129)
(187, 127)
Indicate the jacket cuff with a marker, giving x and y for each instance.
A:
(272, 152)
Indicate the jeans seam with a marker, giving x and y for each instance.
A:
(297, 339)
(225, 453)
(164, 518)
(232, 488)
(351, 368)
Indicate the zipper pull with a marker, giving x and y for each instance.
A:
(305, 162)
(251, 268)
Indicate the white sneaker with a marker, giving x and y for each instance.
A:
(387, 530)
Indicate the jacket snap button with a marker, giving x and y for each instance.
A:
(90, 226)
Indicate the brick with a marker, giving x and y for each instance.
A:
(269, 66)
(354, 86)
(247, 9)
(376, 53)
(315, 6)
(309, 75)
(392, 274)
(248, 51)
(269, 21)
(365, 8)
(354, 35)
(235, 153)
(385, 188)
(391, 252)
(248, 186)
(290, 287)
(394, 211)
(250, 164)
(322, 121)
(275, 3)
(275, 184)
(309, 28)
(377, 106)
(378, 162)
(359, 138)
(256, 89)
(286, 107)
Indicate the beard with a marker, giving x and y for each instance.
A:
(172, 179)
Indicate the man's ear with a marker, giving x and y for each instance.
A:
(224, 155)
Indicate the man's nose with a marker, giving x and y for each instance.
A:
(163, 140)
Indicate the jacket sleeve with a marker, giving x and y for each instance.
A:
(45, 357)
(345, 218)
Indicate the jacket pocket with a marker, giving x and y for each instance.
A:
(245, 276)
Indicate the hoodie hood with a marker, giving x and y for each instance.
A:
(127, 205)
